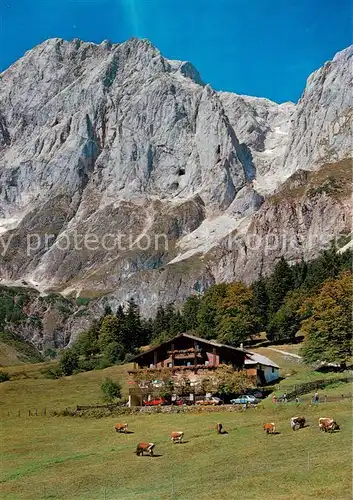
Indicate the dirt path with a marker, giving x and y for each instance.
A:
(285, 353)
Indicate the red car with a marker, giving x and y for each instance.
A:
(182, 401)
(155, 402)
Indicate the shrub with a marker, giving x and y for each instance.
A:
(4, 377)
(52, 373)
(82, 301)
(68, 362)
(50, 353)
(111, 390)
(103, 363)
(89, 364)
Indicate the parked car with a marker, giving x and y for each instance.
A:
(258, 394)
(182, 401)
(211, 401)
(155, 402)
(244, 399)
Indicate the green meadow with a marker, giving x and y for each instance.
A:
(80, 458)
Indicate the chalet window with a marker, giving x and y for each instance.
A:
(273, 370)
(207, 363)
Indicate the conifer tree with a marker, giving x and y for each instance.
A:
(260, 303)
(280, 283)
(190, 311)
(134, 335)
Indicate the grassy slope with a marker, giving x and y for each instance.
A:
(61, 458)
(292, 370)
(14, 350)
(83, 459)
(38, 392)
(8, 355)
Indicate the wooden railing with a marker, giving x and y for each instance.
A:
(192, 350)
(174, 369)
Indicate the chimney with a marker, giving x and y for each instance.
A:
(242, 346)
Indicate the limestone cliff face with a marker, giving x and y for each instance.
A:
(321, 128)
(106, 148)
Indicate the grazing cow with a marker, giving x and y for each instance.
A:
(121, 428)
(328, 425)
(297, 423)
(219, 428)
(145, 447)
(270, 428)
(177, 436)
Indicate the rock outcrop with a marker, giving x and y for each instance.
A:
(122, 174)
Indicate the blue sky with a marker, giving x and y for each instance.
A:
(257, 47)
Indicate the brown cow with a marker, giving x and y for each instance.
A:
(328, 425)
(297, 423)
(145, 447)
(177, 436)
(270, 428)
(120, 428)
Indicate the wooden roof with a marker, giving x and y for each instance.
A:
(197, 339)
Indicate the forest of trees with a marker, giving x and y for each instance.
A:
(314, 299)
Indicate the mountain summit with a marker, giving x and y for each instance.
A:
(115, 142)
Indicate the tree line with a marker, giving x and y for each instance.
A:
(313, 298)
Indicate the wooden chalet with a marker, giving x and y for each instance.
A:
(193, 356)
(190, 352)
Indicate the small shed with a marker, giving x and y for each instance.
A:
(265, 370)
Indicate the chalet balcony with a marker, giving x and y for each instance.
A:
(173, 369)
(181, 353)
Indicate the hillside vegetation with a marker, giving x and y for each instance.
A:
(279, 305)
(311, 299)
(30, 322)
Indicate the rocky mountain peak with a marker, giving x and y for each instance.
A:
(116, 139)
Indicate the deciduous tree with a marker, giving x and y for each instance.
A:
(209, 309)
(236, 319)
(328, 327)
(110, 331)
(111, 390)
(68, 362)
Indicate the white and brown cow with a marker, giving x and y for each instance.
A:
(145, 447)
(328, 424)
(270, 428)
(297, 423)
(177, 436)
(219, 428)
(120, 428)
